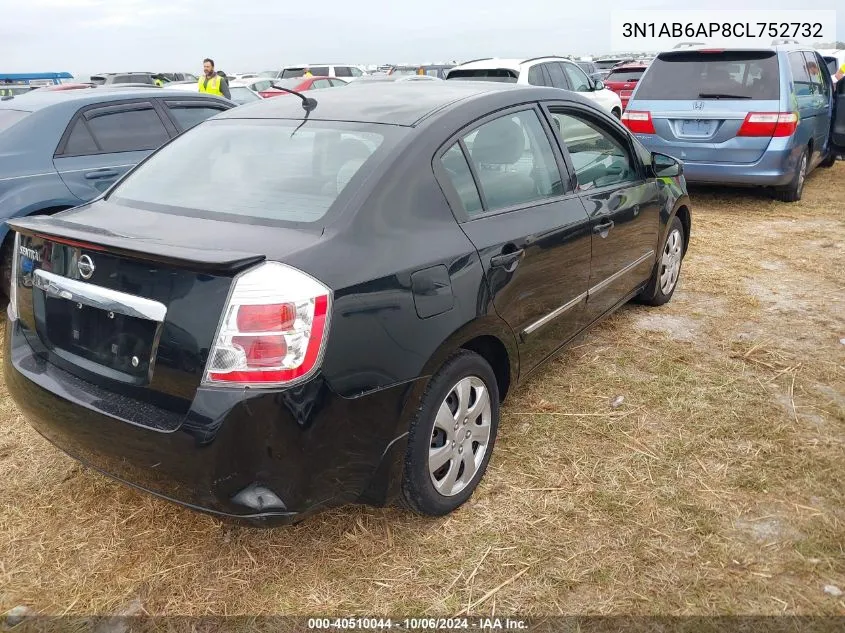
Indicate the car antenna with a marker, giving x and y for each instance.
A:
(308, 103)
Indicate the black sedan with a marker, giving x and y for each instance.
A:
(306, 303)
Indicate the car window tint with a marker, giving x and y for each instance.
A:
(625, 75)
(80, 140)
(342, 71)
(456, 166)
(288, 73)
(577, 78)
(557, 76)
(188, 117)
(321, 83)
(599, 159)
(502, 75)
(356, 72)
(320, 71)
(128, 131)
(535, 75)
(800, 76)
(337, 82)
(277, 170)
(688, 75)
(814, 70)
(514, 161)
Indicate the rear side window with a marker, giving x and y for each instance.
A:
(289, 73)
(625, 75)
(278, 170)
(80, 140)
(535, 76)
(128, 130)
(356, 72)
(514, 161)
(320, 71)
(557, 75)
(502, 75)
(342, 71)
(694, 75)
(455, 164)
(187, 117)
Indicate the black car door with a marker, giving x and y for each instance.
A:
(621, 200)
(503, 179)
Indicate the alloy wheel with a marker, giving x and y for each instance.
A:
(670, 262)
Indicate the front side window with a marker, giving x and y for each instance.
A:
(577, 78)
(356, 72)
(128, 130)
(557, 75)
(321, 83)
(320, 71)
(800, 76)
(261, 170)
(814, 70)
(342, 71)
(598, 157)
(514, 161)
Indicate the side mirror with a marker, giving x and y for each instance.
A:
(598, 85)
(665, 166)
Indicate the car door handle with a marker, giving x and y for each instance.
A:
(603, 228)
(505, 260)
(100, 173)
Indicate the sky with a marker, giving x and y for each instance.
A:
(90, 36)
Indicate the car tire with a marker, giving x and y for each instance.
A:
(793, 191)
(667, 269)
(829, 160)
(455, 425)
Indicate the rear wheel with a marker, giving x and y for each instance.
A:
(792, 192)
(452, 436)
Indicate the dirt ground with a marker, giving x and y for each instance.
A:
(716, 487)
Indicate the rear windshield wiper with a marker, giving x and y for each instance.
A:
(720, 95)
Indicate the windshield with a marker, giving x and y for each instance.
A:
(625, 75)
(290, 84)
(694, 75)
(9, 117)
(242, 95)
(261, 169)
(502, 75)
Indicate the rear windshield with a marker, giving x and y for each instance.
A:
(503, 75)
(694, 75)
(9, 117)
(606, 64)
(625, 75)
(265, 170)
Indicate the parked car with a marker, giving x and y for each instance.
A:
(107, 79)
(623, 79)
(432, 70)
(344, 71)
(252, 359)
(301, 84)
(60, 149)
(369, 79)
(757, 116)
(67, 86)
(240, 92)
(556, 72)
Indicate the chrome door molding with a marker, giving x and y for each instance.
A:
(602, 285)
(99, 297)
(551, 316)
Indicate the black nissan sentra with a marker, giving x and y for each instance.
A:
(313, 301)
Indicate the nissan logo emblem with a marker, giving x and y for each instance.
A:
(85, 267)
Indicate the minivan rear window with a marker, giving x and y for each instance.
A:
(9, 117)
(265, 170)
(697, 75)
(625, 75)
(503, 75)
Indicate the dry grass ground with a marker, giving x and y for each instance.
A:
(716, 487)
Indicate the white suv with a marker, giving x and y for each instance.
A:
(345, 71)
(557, 72)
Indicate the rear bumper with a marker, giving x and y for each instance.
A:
(267, 457)
(774, 168)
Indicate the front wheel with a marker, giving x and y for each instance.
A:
(451, 437)
(667, 271)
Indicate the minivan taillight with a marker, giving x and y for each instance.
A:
(273, 329)
(638, 121)
(769, 124)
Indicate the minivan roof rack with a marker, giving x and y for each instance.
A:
(687, 44)
(480, 59)
(784, 40)
(531, 59)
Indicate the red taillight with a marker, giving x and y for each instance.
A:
(769, 124)
(275, 317)
(639, 122)
(273, 330)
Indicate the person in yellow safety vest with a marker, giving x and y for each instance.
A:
(307, 72)
(839, 73)
(212, 83)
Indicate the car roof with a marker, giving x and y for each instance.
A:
(739, 49)
(37, 100)
(505, 62)
(403, 103)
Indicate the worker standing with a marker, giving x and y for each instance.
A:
(212, 83)
(307, 72)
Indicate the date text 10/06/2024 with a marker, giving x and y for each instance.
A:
(418, 624)
(750, 30)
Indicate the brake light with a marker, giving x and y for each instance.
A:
(769, 124)
(273, 330)
(639, 122)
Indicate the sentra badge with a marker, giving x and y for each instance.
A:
(33, 254)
